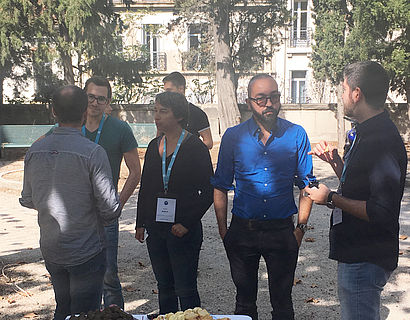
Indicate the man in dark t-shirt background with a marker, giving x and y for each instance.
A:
(198, 123)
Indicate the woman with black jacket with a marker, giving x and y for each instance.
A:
(175, 193)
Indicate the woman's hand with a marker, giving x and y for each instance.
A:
(139, 234)
(179, 230)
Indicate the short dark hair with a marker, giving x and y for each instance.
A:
(371, 78)
(176, 78)
(101, 82)
(177, 103)
(69, 104)
(257, 77)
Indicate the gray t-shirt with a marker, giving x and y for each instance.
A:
(68, 180)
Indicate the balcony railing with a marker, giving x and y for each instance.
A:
(300, 37)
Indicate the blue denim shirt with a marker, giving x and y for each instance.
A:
(264, 175)
(68, 180)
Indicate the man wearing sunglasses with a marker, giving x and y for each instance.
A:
(265, 156)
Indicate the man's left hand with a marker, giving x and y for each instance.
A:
(318, 195)
(179, 230)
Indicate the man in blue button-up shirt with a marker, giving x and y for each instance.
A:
(261, 159)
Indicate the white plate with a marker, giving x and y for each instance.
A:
(232, 317)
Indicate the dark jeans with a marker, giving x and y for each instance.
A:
(112, 285)
(77, 288)
(245, 242)
(175, 262)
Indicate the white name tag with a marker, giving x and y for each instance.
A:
(337, 216)
(166, 210)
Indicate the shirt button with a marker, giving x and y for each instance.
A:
(266, 169)
(264, 200)
(264, 215)
(266, 184)
(265, 152)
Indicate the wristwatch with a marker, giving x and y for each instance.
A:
(302, 227)
(329, 202)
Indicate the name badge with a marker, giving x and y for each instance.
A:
(337, 216)
(166, 209)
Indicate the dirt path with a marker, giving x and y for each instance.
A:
(26, 291)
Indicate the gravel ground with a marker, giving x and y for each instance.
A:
(26, 291)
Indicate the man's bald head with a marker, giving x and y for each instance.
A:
(69, 104)
(255, 78)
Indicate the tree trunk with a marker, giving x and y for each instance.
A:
(341, 131)
(228, 110)
(407, 90)
(68, 67)
(65, 55)
(2, 77)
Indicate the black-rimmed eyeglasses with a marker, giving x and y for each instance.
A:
(100, 99)
(262, 101)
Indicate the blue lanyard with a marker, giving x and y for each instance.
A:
(348, 157)
(97, 138)
(165, 176)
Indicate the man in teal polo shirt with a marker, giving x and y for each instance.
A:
(116, 137)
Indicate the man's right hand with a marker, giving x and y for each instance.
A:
(139, 234)
(324, 151)
(222, 232)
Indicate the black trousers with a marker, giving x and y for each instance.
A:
(245, 242)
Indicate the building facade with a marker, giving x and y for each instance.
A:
(168, 51)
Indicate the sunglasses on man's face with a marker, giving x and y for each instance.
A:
(262, 101)
(100, 99)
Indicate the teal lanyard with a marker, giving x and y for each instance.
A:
(348, 157)
(97, 138)
(167, 174)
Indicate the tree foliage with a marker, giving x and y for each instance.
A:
(253, 30)
(356, 30)
(77, 37)
(16, 31)
(240, 35)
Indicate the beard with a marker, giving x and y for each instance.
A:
(268, 117)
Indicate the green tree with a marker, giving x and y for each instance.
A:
(16, 31)
(240, 36)
(77, 32)
(76, 37)
(356, 30)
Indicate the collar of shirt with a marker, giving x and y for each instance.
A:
(255, 130)
(67, 130)
(372, 124)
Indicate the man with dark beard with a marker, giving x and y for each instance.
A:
(265, 156)
(364, 229)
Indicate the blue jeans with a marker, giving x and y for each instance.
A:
(112, 285)
(175, 262)
(77, 288)
(359, 289)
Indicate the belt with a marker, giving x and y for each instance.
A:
(254, 224)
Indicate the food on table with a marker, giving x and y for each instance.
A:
(189, 314)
